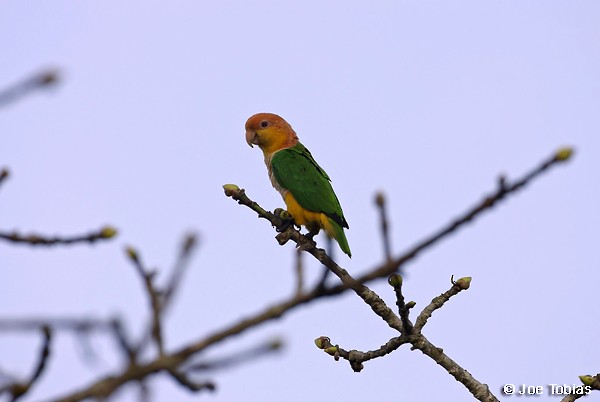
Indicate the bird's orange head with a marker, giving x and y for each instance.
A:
(270, 132)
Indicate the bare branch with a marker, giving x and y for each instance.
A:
(306, 244)
(80, 326)
(190, 243)
(184, 380)
(41, 80)
(154, 297)
(4, 174)
(380, 201)
(356, 358)
(107, 232)
(267, 348)
(504, 190)
(123, 341)
(56, 324)
(478, 390)
(439, 301)
(19, 389)
(395, 280)
(589, 383)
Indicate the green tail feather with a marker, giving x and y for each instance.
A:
(340, 237)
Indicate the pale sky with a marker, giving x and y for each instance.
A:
(427, 101)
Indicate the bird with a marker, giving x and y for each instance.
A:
(304, 186)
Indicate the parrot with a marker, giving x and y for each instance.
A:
(303, 184)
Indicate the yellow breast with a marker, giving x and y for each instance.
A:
(304, 217)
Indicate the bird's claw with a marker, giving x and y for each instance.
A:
(287, 219)
(311, 234)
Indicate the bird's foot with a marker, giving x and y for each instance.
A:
(312, 233)
(287, 219)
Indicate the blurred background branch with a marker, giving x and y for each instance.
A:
(45, 79)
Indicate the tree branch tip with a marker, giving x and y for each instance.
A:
(232, 190)
(591, 381)
(323, 342)
(132, 254)
(395, 280)
(108, 232)
(564, 154)
(276, 344)
(4, 173)
(190, 241)
(380, 199)
(49, 77)
(462, 283)
(183, 379)
(502, 183)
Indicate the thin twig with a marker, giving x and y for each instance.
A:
(237, 358)
(44, 79)
(154, 297)
(503, 191)
(56, 324)
(356, 358)
(193, 386)
(104, 233)
(19, 389)
(189, 244)
(123, 341)
(4, 174)
(380, 201)
(439, 301)
(395, 280)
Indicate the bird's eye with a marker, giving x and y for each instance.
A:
(264, 123)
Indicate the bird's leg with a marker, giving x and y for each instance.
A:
(312, 232)
(287, 219)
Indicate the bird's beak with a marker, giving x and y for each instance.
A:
(251, 138)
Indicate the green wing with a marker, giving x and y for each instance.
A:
(296, 171)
